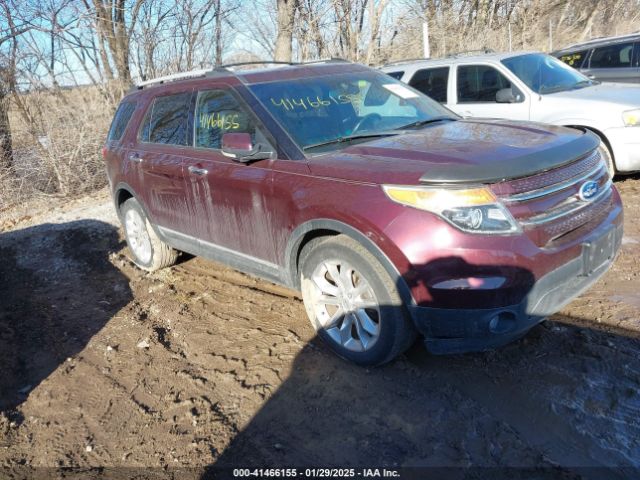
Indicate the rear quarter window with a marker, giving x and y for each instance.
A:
(167, 120)
(433, 82)
(120, 121)
(396, 75)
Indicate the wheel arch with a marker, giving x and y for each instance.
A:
(313, 229)
(123, 192)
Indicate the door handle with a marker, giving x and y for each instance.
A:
(134, 157)
(198, 171)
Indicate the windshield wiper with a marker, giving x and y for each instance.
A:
(421, 123)
(349, 138)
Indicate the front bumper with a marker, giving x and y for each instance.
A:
(465, 330)
(625, 143)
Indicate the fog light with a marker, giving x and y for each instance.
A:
(504, 322)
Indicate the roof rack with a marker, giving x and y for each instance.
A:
(601, 39)
(484, 50)
(228, 68)
(173, 77)
(406, 60)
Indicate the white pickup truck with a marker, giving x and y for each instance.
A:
(535, 87)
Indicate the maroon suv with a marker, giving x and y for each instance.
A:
(392, 215)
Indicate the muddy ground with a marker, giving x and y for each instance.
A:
(195, 366)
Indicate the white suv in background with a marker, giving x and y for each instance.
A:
(536, 87)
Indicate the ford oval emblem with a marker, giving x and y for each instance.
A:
(588, 190)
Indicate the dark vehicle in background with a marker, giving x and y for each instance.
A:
(611, 59)
(391, 214)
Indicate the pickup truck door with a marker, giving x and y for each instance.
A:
(475, 87)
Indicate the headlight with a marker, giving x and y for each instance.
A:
(631, 118)
(474, 210)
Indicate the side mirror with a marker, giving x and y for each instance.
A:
(506, 95)
(239, 146)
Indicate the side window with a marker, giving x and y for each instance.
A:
(432, 82)
(396, 75)
(480, 83)
(612, 56)
(121, 120)
(167, 120)
(218, 112)
(574, 59)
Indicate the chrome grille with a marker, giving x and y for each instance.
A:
(541, 180)
(551, 202)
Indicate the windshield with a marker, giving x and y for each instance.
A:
(546, 74)
(327, 112)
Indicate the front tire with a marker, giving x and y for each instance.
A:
(353, 303)
(148, 251)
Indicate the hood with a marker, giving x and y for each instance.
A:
(465, 151)
(625, 95)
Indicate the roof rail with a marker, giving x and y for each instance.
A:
(406, 60)
(173, 77)
(229, 67)
(601, 39)
(470, 52)
(276, 62)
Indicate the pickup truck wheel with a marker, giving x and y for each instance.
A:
(148, 251)
(353, 303)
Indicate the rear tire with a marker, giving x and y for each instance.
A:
(353, 303)
(148, 251)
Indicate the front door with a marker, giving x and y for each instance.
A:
(477, 88)
(229, 200)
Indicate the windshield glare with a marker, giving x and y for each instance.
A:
(323, 109)
(545, 74)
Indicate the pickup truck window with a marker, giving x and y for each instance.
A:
(432, 82)
(612, 56)
(480, 83)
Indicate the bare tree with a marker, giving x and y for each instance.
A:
(285, 21)
(8, 36)
(114, 29)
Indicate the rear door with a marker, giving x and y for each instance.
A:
(614, 63)
(161, 145)
(476, 89)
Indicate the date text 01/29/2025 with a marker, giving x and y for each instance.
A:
(315, 473)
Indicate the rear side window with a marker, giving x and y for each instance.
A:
(613, 56)
(218, 112)
(167, 120)
(432, 82)
(574, 59)
(396, 75)
(121, 120)
(480, 83)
